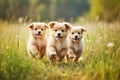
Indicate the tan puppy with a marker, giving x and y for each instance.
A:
(37, 40)
(57, 44)
(75, 42)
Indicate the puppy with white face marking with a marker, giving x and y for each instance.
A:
(37, 40)
(75, 43)
(57, 42)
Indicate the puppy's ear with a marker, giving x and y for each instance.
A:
(46, 26)
(52, 23)
(67, 25)
(30, 26)
(83, 29)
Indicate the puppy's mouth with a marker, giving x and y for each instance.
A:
(38, 34)
(59, 37)
(76, 39)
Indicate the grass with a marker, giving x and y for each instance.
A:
(101, 62)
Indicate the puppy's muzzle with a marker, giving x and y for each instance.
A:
(76, 38)
(39, 32)
(59, 36)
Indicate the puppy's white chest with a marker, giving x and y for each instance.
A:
(59, 46)
(38, 42)
(76, 47)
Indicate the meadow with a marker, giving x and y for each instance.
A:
(101, 55)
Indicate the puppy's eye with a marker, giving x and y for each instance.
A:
(72, 32)
(35, 28)
(55, 30)
(78, 32)
(42, 29)
(62, 30)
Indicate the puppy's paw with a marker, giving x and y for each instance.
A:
(53, 57)
(53, 54)
(71, 56)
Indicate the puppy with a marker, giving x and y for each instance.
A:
(37, 40)
(75, 43)
(57, 42)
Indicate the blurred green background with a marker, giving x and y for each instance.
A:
(101, 18)
(45, 10)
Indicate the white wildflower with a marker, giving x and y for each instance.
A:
(110, 44)
(81, 58)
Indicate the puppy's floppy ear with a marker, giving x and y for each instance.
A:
(67, 25)
(46, 26)
(52, 23)
(83, 29)
(30, 26)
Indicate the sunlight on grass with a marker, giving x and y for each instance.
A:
(101, 55)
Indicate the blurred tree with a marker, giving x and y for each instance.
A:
(3, 8)
(43, 9)
(13, 8)
(104, 9)
(53, 9)
(39, 10)
(71, 8)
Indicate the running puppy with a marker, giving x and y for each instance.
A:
(37, 40)
(57, 42)
(75, 43)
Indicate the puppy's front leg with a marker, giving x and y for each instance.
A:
(53, 54)
(33, 50)
(70, 54)
(61, 55)
(77, 56)
(42, 53)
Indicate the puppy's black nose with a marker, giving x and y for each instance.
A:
(39, 32)
(76, 37)
(59, 34)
